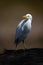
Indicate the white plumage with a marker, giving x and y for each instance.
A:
(23, 29)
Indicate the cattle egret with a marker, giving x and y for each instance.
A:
(23, 29)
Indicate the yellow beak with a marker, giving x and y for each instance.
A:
(25, 17)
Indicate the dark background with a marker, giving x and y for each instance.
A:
(11, 13)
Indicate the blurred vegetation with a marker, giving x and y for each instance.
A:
(22, 57)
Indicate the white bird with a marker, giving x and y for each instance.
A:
(23, 29)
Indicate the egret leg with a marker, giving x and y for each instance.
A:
(24, 46)
(16, 46)
(23, 41)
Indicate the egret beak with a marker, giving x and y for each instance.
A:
(25, 17)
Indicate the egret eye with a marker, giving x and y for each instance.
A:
(27, 16)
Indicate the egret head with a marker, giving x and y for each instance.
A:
(27, 16)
